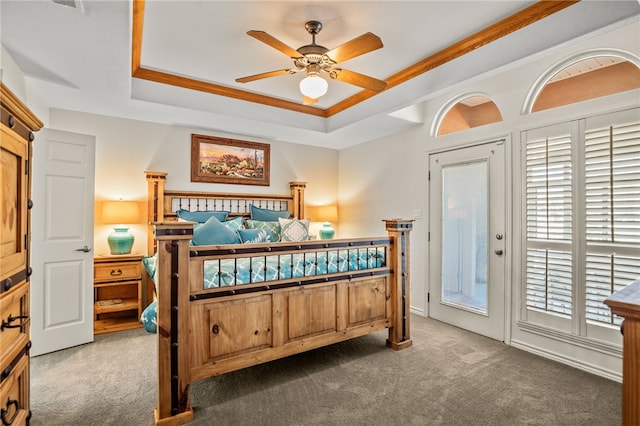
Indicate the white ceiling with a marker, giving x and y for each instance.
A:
(79, 58)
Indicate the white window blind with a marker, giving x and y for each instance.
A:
(612, 195)
(549, 281)
(578, 254)
(549, 207)
(612, 176)
(549, 213)
(606, 274)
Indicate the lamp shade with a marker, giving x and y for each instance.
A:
(313, 86)
(324, 213)
(120, 212)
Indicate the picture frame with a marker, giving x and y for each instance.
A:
(232, 161)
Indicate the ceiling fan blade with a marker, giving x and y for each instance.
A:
(308, 101)
(263, 75)
(365, 43)
(358, 79)
(275, 43)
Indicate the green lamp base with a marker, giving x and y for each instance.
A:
(121, 241)
(326, 232)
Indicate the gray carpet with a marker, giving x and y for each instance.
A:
(449, 377)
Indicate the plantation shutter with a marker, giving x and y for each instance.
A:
(549, 216)
(612, 195)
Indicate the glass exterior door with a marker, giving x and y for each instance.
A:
(466, 247)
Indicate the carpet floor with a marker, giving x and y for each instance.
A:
(448, 377)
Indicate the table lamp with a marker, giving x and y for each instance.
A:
(326, 214)
(120, 213)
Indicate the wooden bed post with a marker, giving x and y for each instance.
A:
(174, 407)
(297, 205)
(155, 200)
(399, 335)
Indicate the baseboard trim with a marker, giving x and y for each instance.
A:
(606, 348)
(581, 365)
(417, 311)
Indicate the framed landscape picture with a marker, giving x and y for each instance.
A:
(221, 160)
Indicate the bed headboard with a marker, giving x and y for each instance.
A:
(163, 203)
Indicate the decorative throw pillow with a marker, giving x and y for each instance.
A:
(201, 216)
(214, 232)
(233, 224)
(149, 317)
(149, 263)
(248, 236)
(272, 228)
(268, 215)
(294, 229)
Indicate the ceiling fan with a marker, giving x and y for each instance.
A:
(314, 59)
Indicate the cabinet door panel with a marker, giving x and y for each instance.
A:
(367, 300)
(236, 327)
(13, 210)
(311, 311)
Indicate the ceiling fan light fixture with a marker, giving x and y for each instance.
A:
(313, 86)
(314, 58)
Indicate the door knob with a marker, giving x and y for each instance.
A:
(499, 252)
(85, 249)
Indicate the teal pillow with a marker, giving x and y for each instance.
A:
(254, 236)
(267, 215)
(272, 228)
(149, 263)
(234, 224)
(214, 232)
(201, 216)
(149, 317)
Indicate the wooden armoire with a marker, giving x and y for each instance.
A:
(18, 125)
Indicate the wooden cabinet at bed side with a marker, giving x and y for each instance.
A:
(118, 293)
(17, 124)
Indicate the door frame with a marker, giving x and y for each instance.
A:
(509, 291)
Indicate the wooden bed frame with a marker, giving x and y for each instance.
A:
(207, 332)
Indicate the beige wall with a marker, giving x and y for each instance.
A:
(126, 148)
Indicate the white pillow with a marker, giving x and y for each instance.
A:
(294, 229)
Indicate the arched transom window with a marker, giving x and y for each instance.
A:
(468, 112)
(584, 78)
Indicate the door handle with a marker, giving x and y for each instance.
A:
(85, 249)
(498, 252)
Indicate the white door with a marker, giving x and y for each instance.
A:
(467, 238)
(62, 240)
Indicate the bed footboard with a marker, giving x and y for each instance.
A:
(204, 332)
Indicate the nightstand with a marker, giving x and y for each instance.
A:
(118, 292)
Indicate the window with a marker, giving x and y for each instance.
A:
(582, 215)
(586, 76)
(612, 194)
(471, 111)
(549, 208)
